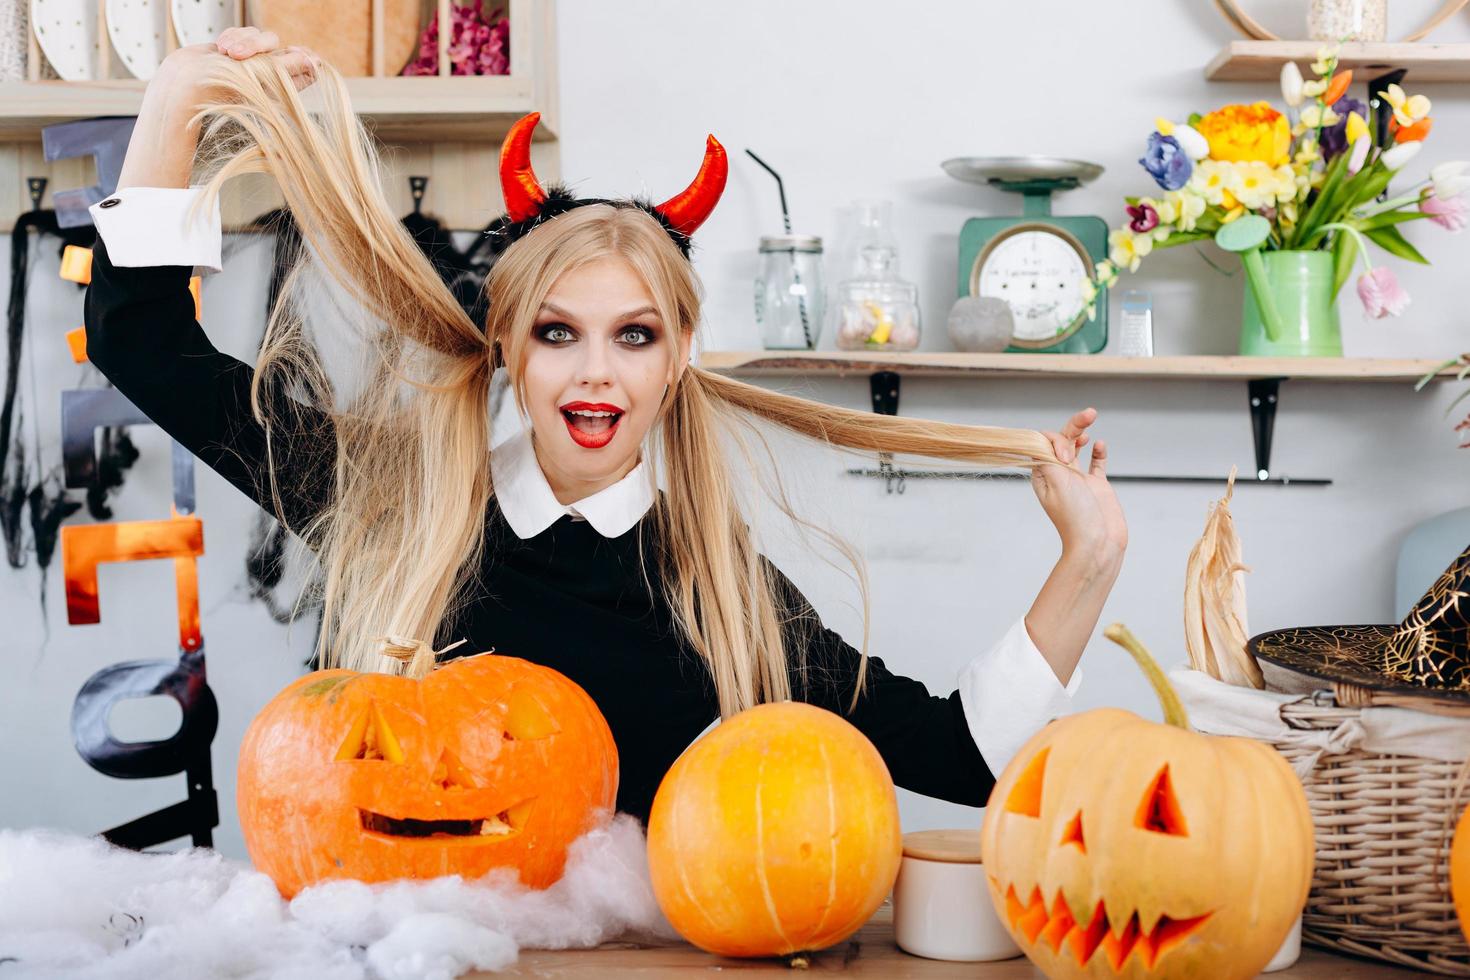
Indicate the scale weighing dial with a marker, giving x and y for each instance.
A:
(1037, 261)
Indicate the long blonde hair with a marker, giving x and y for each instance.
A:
(403, 536)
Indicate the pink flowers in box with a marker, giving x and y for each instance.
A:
(479, 44)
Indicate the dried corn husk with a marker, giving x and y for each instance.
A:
(1215, 630)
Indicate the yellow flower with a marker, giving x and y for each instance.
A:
(1164, 126)
(1231, 215)
(1356, 126)
(1247, 132)
(1407, 109)
(1326, 59)
(1212, 181)
(1287, 214)
(1189, 205)
(1314, 88)
(1317, 115)
(1128, 249)
(1308, 152)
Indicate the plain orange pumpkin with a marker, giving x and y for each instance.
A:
(775, 833)
(1118, 847)
(488, 762)
(1460, 872)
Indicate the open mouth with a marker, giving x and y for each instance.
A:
(506, 823)
(1057, 927)
(592, 426)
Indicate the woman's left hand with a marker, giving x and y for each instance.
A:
(1081, 503)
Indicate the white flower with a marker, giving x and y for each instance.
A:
(1399, 154)
(1361, 146)
(1450, 179)
(1291, 84)
(1195, 146)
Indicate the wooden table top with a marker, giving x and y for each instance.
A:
(870, 953)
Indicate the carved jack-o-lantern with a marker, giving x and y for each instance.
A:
(1115, 846)
(488, 762)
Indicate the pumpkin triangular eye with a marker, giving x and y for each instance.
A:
(370, 738)
(1073, 833)
(1160, 811)
(526, 718)
(1025, 795)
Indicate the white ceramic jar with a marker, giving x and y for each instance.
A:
(941, 905)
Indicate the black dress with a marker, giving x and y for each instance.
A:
(567, 598)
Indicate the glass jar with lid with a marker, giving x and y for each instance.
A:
(876, 310)
(789, 293)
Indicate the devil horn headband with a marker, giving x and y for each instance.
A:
(527, 202)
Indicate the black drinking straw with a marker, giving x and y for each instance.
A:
(786, 221)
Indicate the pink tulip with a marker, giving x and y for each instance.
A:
(1381, 293)
(1452, 214)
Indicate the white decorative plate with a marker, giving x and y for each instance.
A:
(200, 21)
(138, 29)
(67, 33)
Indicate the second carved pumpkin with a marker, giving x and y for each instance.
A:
(1116, 846)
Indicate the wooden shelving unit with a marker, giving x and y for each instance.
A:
(1255, 61)
(952, 364)
(446, 127)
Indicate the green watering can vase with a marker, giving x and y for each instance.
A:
(1291, 303)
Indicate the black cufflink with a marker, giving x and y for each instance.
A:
(110, 202)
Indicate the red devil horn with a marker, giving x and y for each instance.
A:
(518, 183)
(687, 210)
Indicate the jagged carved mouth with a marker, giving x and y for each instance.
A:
(1058, 928)
(506, 823)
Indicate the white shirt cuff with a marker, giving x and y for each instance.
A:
(145, 226)
(1009, 693)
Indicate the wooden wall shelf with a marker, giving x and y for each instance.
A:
(1256, 61)
(420, 108)
(1073, 366)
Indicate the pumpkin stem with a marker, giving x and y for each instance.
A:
(418, 657)
(799, 961)
(1174, 713)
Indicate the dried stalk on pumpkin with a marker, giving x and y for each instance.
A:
(1215, 630)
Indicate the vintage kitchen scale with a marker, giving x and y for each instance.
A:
(1035, 262)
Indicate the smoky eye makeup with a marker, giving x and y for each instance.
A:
(557, 334)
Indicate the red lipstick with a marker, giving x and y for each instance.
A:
(591, 431)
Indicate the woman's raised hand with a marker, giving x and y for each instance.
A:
(1081, 503)
(190, 65)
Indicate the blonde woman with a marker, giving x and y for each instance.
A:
(557, 545)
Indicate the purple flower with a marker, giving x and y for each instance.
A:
(1381, 293)
(476, 46)
(1452, 214)
(1166, 163)
(1145, 218)
(1334, 137)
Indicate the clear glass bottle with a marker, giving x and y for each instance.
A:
(876, 310)
(790, 297)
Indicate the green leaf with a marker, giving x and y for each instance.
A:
(1323, 207)
(1437, 368)
(1458, 398)
(1386, 218)
(1344, 254)
(1181, 238)
(1194, 118)
(1392, 240)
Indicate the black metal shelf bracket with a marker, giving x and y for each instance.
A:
(1264, 393)
(884, 386)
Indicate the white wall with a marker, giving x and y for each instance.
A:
(861, 99)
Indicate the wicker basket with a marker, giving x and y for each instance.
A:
(1383, 825)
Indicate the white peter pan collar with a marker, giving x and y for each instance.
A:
(530, 507)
